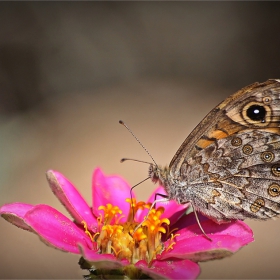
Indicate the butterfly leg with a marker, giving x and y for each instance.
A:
(198, 222)
(165, 199)
(131, 196)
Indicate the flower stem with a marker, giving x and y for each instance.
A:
(129, 272)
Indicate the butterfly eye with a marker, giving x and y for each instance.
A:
(256, 113)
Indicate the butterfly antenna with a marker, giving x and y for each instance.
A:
(132, 159)
(124, 124)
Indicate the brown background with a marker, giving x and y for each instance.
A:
(69, 71)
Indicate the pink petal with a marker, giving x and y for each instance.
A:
(69, 196)
(173, 211)
(110, 189)
(170, 269)
(55, 229)
(235, 228)
(188, 220)
(100, 261)
(14, 213)
(226, 239)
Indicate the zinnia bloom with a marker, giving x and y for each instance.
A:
(119, 237)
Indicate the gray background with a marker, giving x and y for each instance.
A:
(70, 70)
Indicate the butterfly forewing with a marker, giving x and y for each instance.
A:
(230, 117)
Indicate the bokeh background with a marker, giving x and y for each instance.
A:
(70, 70)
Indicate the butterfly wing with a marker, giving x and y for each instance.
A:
(229, 166)
(236, 177)
(231, 116)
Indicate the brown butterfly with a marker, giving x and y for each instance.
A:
(228, 168)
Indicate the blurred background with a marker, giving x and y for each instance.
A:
(70, 70)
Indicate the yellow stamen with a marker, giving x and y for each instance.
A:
(97, 233)
(138, 235)
(174, 235)
(116, 253)
(172, 243)
(86, 230)
(170, 233)
(110, 212)
(134, 207)
(130, 240)
(170, 246)
(119, 218)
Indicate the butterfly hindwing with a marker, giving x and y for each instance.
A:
(236, 177)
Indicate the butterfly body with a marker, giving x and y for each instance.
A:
(229, 166)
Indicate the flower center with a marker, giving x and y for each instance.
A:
(131, 240)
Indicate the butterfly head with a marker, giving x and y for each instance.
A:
(158, 174)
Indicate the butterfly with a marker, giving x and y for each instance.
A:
(228, 168)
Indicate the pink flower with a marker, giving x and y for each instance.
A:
(114, 235)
